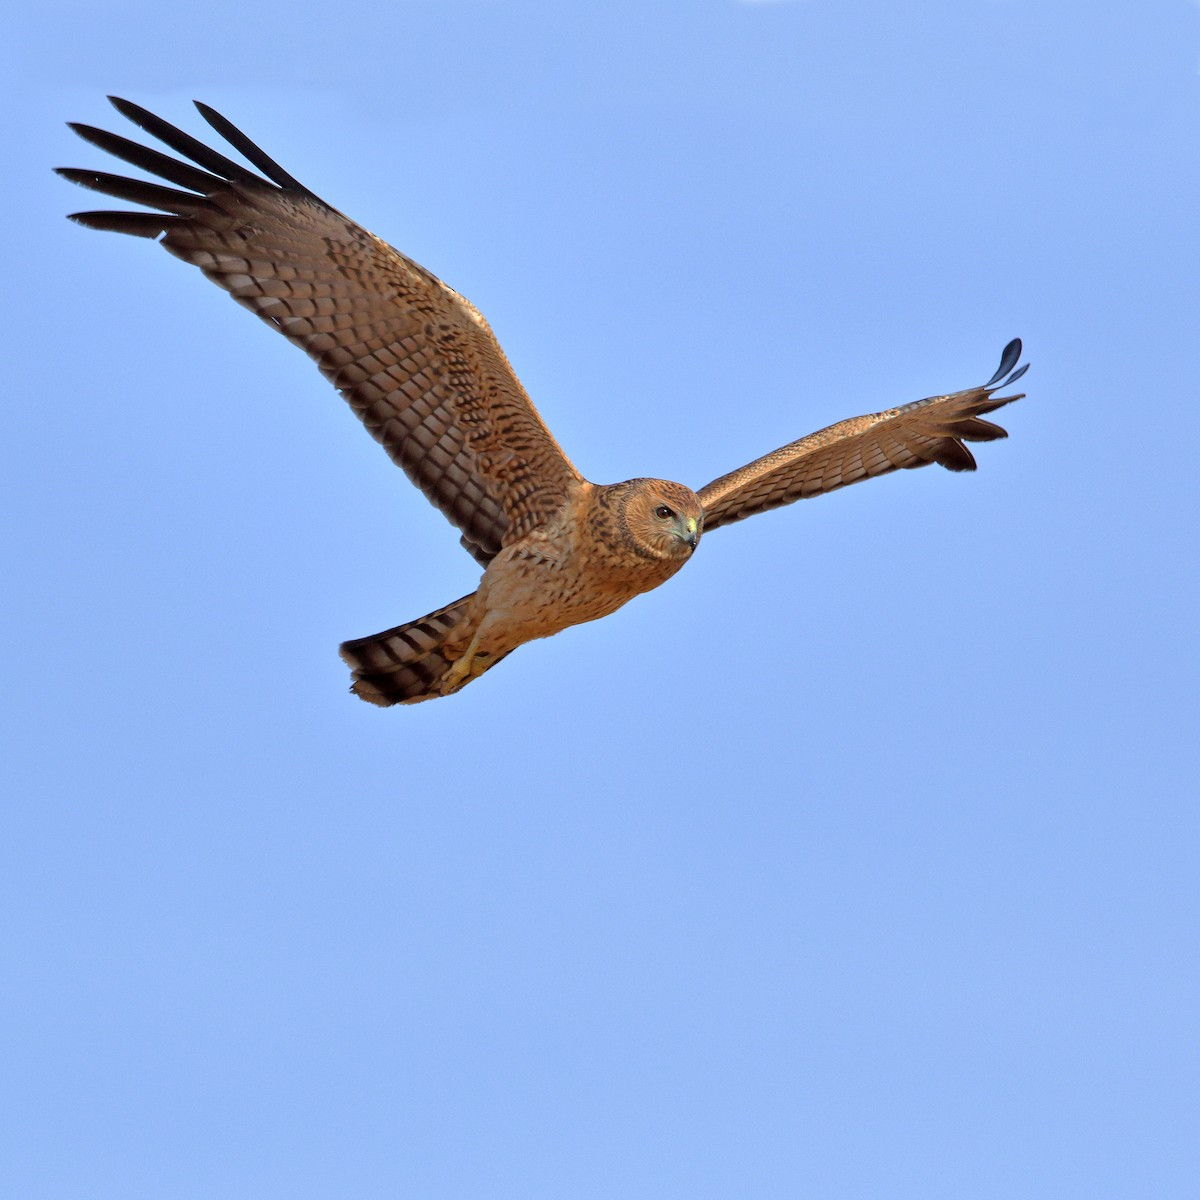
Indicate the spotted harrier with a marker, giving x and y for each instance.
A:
(427, 377)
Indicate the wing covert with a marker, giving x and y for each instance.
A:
(414, 359)
(928, 431)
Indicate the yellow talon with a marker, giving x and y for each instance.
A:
(462, 669)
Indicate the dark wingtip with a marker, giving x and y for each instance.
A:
(127, 108)
(1009, 358)
(1016, 375)
(146, 225)
(954, 456)
(248, 149)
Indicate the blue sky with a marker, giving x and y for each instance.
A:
(857, 861)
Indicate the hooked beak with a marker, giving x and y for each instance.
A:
(692, 534)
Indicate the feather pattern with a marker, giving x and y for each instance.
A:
(425, 375)
(913, 435)
(414, 359)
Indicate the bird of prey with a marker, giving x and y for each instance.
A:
(426, 376)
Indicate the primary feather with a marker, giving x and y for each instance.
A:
(423, 371)
(913, 435)
(414, 359)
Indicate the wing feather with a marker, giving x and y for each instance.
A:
(913, 435)
(414, 359)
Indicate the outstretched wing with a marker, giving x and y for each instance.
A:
(912, 435)
(417, 363)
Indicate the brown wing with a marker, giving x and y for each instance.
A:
(415, 360)
(928, 431)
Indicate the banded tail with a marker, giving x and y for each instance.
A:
(406, 664)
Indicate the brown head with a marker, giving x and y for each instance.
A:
(658, 519)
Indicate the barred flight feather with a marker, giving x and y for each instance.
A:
(423, 372)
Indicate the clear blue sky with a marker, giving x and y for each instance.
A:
(859, 861)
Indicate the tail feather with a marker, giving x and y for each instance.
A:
(406, 664)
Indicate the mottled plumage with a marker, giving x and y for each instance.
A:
(425, 374)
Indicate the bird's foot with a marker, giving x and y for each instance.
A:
(466, 666)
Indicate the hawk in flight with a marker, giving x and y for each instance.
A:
(426, 376)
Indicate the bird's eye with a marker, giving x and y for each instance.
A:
(663, 513)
